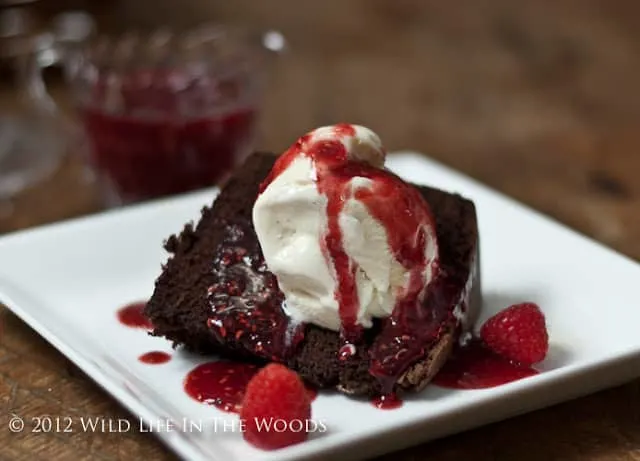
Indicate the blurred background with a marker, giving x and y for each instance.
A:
(538, 99)
(109, 102)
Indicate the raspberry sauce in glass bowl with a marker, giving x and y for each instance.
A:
(166, 113)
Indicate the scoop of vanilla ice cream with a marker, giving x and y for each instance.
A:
(290, 220)
(379, 275)
(364, 146)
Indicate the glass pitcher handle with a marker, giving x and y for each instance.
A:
(30, 72)
(69, 30)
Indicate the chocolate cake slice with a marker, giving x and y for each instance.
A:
(216, 295)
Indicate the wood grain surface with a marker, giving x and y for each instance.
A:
(538, 99)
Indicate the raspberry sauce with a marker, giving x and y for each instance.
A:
(387, 402)
(154, 357)
(143, 159)
(473, 366)
(132, 315)
(347, 351)
(155, 132)
(221, 384)
(312, 392)
(246, 303)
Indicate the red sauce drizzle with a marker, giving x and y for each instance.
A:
(312, 392)
(473, 366)
(132, 315)
(344, 129)
(347, 351)
(328, 157)
(154, 357)
(246, 303)
(387, 402)
(221, 384)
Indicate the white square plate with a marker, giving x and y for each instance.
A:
(67, 280)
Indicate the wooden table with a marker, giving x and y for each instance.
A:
(538, 99)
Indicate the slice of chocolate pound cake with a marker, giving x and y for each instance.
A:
(325, 261)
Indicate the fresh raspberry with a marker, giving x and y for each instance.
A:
(517, 333)
(275, 409)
